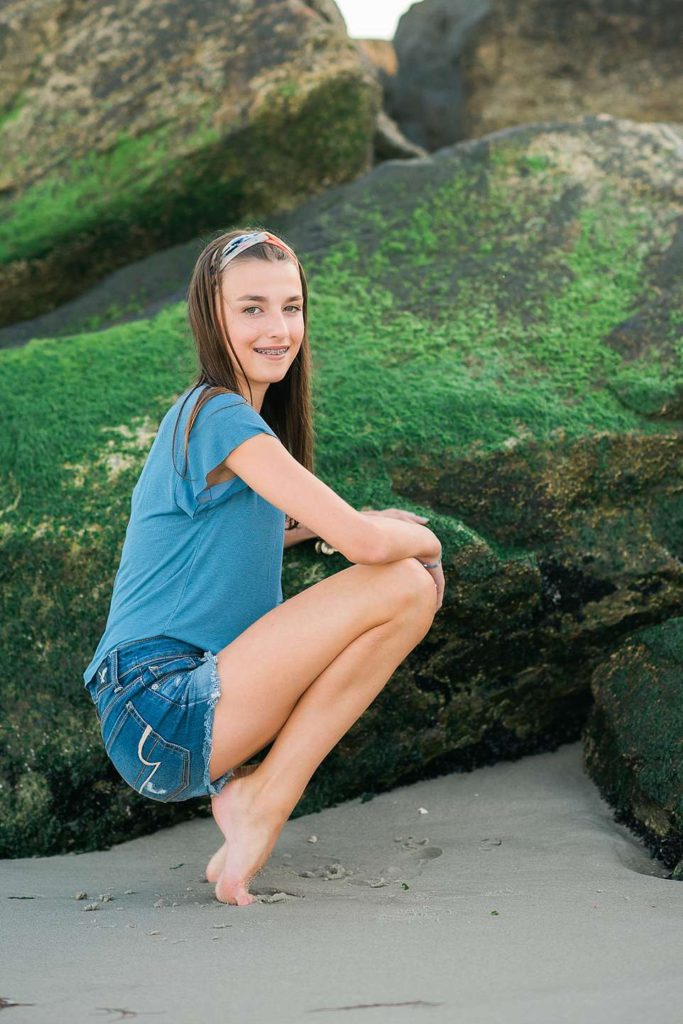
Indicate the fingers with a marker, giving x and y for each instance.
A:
(397, 513)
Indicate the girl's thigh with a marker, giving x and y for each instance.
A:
(265, 670)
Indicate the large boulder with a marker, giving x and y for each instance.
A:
(130, 127)
(466, 68)
(496, 339)
(633, 745)
(427, 94)
(389, 142)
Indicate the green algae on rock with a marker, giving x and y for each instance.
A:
(634, 735)
(139, 127)
(468, 312)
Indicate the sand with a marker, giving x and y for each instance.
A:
(507, 895)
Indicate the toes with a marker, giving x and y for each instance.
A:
(233, 892)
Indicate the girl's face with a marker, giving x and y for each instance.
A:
(263, 310)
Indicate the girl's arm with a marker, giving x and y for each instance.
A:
(297, 535)
(270, 470)
(302, 532)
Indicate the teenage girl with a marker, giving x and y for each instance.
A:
(202, 663)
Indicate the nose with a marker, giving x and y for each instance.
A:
(277, 326)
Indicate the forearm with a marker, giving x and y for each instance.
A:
(399, 539)
(395, 539)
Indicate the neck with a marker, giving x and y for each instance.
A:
(259, 393)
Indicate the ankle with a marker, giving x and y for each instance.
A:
(268, 797)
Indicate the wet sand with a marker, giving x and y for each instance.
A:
(507, 895)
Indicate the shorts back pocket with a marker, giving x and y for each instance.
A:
(151, 765)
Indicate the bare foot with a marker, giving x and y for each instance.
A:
(252, 832)
(215, 865)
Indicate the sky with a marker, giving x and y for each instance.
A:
(372, 19)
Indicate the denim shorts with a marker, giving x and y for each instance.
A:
(155, 701)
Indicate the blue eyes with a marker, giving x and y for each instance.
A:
(296, 308)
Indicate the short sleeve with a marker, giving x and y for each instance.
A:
(223, 423)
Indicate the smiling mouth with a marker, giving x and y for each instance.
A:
(272, 351)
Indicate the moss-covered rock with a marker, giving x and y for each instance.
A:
(468, 317)
(634, 736)
(136, 127)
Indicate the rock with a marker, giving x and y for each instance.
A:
(381, 54)
(126, 128)
(464, 298)
(633, 747)
(465, 69)
(379, 58)
(427, 94)
(390, 143)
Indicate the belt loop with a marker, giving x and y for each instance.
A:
(113, 661)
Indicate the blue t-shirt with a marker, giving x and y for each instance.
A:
(198, 563)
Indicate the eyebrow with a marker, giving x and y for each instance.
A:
(264, 298)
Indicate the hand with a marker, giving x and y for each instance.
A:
(398, 513)
(395, 513)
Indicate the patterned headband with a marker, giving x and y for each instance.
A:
(241, 242)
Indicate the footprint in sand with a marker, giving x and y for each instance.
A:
(418, 850)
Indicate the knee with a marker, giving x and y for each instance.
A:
(415, 587)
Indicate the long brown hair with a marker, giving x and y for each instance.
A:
(287, 406)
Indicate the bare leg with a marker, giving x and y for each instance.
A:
(251, 811)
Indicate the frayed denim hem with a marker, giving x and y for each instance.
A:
(212, 788)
